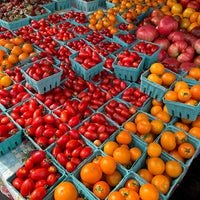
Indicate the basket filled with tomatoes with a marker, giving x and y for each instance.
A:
(148, 49)
(145, 126)
(182, 146)
(97, 128)
(70, 188)
(135, 96)
(157, 167)
(125, 147)
(11, 133)
(100, 171)
(12, 95)
(42, 75)
(71, 150)
(183, 100)
(87, 5)
(128, 65)
(118, 110)
(37, 177)
(157, 80)
(87, 62)
(192, 76)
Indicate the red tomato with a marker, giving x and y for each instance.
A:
(17, 182)
(27, 187)
(39, 173)
(38, 193)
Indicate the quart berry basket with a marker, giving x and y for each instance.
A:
(148, 59)
(62, 4)
(182, 110)
(15, 24)
(50, 6)
(13, 141)
(81, 71)
(174, 183)
(49, 190)
(87, 6)
(83, 192)
(128, 73)
(154, 90)
(190, 139)
(44, 84)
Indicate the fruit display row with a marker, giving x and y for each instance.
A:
(109, 99)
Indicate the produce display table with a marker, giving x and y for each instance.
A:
(90, 85)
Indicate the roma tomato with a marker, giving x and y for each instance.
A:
(17, 183)
(51, 179)
(38, 156)
(27, 187)
(38, 193)
(39, 173)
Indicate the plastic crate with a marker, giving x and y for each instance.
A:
(49, 190)
(87, 6)
(62, 4)
(13, 141)
(50, 6)
(148, 59)
(128, 73)
(174, 183)
(44, 84)
(15, 24)
(154, 90)
(191, 139)
(81, 71)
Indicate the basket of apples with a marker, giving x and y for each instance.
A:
(42, 75)
(87, 62)
(128, 65)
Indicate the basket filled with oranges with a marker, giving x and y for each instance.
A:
(183, 100)
(157, 80)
